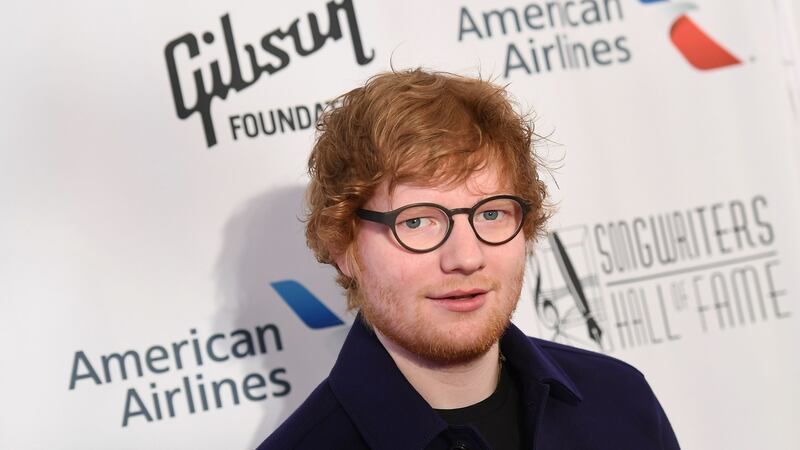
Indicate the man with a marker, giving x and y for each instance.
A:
(424, 195)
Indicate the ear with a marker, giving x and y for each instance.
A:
(342, 262)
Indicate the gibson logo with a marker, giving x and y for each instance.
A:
(273, 56)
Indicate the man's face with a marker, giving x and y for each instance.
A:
(451, 304)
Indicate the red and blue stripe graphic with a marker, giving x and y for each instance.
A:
(699, 49)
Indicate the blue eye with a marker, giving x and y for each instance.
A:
(490, 215)
(413, 223)
(417, 223)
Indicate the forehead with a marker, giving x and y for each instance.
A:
(455, 194)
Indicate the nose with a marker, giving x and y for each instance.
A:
(462, 252)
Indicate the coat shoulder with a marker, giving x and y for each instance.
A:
(601, 378)
(617, 404)
(577, 358)
(319, 422)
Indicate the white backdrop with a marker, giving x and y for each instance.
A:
(127, 238)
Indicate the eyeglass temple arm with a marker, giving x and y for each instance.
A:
(375, 216)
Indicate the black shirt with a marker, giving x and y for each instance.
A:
(496, 417)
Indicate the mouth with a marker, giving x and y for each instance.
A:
(461, 300)
(459, 294)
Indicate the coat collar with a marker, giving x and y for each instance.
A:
(388, 411)
(534, 366)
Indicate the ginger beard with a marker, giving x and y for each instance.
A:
(424, 329)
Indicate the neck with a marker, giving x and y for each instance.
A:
(448, 386)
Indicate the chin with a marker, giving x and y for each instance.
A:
(446, 337)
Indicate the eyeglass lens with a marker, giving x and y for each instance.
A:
(424, 227)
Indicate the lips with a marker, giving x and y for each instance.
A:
(461, 301)
(458, 294)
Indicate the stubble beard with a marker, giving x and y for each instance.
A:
(435, 342)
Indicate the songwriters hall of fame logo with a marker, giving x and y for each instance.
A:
(655, 279)
(566, 290)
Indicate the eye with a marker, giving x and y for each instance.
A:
(416, 222)
(420, 219)
(491, 215)
(413, 223)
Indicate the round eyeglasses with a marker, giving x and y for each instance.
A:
(424, 227)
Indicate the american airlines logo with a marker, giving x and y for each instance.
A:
(306, 305)
(697, 46)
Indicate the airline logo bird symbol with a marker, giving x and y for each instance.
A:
(699, 49)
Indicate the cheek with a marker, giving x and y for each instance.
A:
(405, 272)
(509, 258)
(386, 267)
(381, 263)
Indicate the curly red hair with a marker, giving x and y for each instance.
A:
(417, 127)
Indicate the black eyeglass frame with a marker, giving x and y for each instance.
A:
(389, 219)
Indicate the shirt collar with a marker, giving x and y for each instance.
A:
(388, 411)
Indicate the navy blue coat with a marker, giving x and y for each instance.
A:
(572, 399)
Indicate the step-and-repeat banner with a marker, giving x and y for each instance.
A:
(156, 287)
